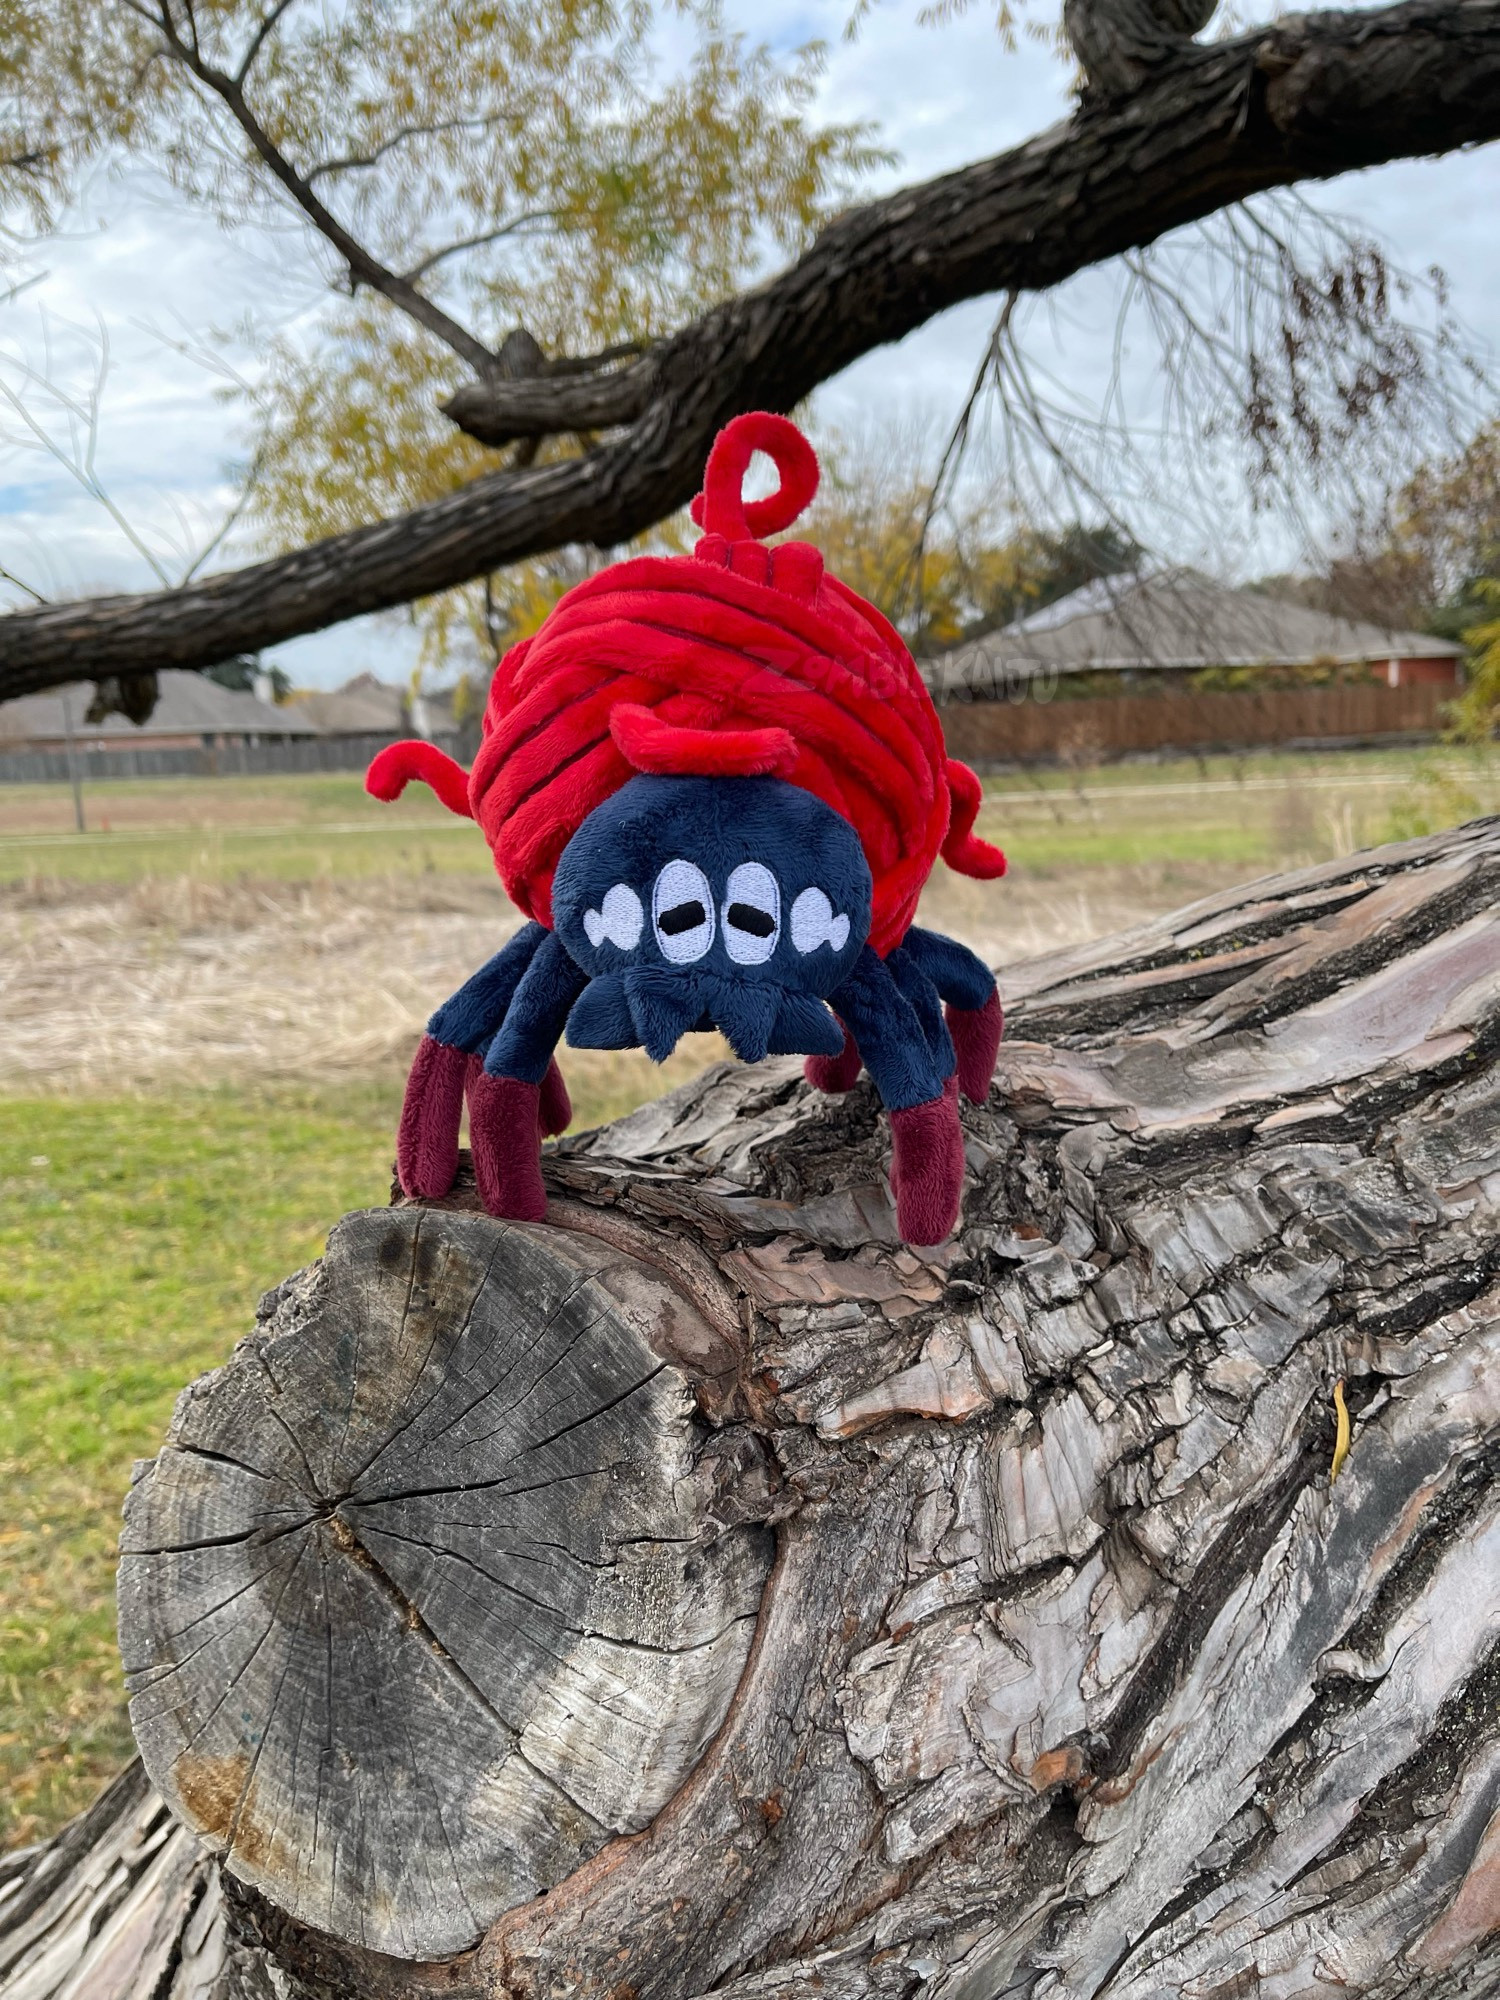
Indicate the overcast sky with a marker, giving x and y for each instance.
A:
(156, 276)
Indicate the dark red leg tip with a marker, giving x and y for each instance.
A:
(556, 1106)
(976, 1033)
(505, 1140)
(835, 1074)
(427, 1138)
(927, 1171)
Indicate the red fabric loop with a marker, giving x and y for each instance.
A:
(963, 850)
(721, 508)
(647, 743)
(393, 768)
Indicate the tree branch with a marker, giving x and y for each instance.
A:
(363, 268)
(346, 163)
(497, 413)
(1306, 98)
(1120, 42)
(259, 38)
(477, 241)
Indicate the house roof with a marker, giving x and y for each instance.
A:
(1173, 619)
(364, 706)
(186, 705)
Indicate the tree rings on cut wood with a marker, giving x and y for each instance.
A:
(421, 1602)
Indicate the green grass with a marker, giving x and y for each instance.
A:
(1253, 811)
(219, 829)
(135, 1238)
(227, 856)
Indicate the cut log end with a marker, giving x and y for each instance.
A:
(422, 1600)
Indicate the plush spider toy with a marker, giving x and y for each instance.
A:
(716, 785)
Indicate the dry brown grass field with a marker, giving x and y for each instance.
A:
(206, 932)
(187, 984)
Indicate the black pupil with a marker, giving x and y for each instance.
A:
(745, 917)
(682, 917)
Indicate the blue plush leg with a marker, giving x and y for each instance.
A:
(888, 1033)
(975, 1018)
(505, 1097)
(471, 1018)
(960, 975)
(927, 1169)
(925, 1004)
(427, 1142)
(538, 1009)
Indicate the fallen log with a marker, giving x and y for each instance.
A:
(704, 1593)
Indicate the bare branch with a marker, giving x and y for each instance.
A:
(356, 162)
(231, 519)
(258, 39)
(79, 462)
(1307, 97)
(953, 450)
(19, 582)
(363, 268)
(477, 242)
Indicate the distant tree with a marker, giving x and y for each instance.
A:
(1424, 563)
(952, 571)
(458, 171)
(1476, 714)
(1449, 532)
(1079, 554)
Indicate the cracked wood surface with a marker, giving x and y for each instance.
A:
(1074, 1673)
(418, 1604)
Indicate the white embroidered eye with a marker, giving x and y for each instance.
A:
(682, 909)
(621, 920)
(813, 923)
(752, 914)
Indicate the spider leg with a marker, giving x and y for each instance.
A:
(928, 1164)
(469, 1019)
(427, 1140)
(925, 1004)
(556, 1106)
(835, 1074)
(507, 1096)
(975, 1018)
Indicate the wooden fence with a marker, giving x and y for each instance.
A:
(127, 760)
(980, 732)
(1095, 731)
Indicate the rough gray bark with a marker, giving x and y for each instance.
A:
(1074, 1673)
(1120, 44)
(1306, 97)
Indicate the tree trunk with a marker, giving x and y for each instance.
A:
(704, 1593)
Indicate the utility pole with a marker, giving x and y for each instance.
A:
(73, 775)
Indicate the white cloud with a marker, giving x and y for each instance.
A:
(151, 270)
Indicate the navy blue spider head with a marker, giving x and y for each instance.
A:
(730, 903)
